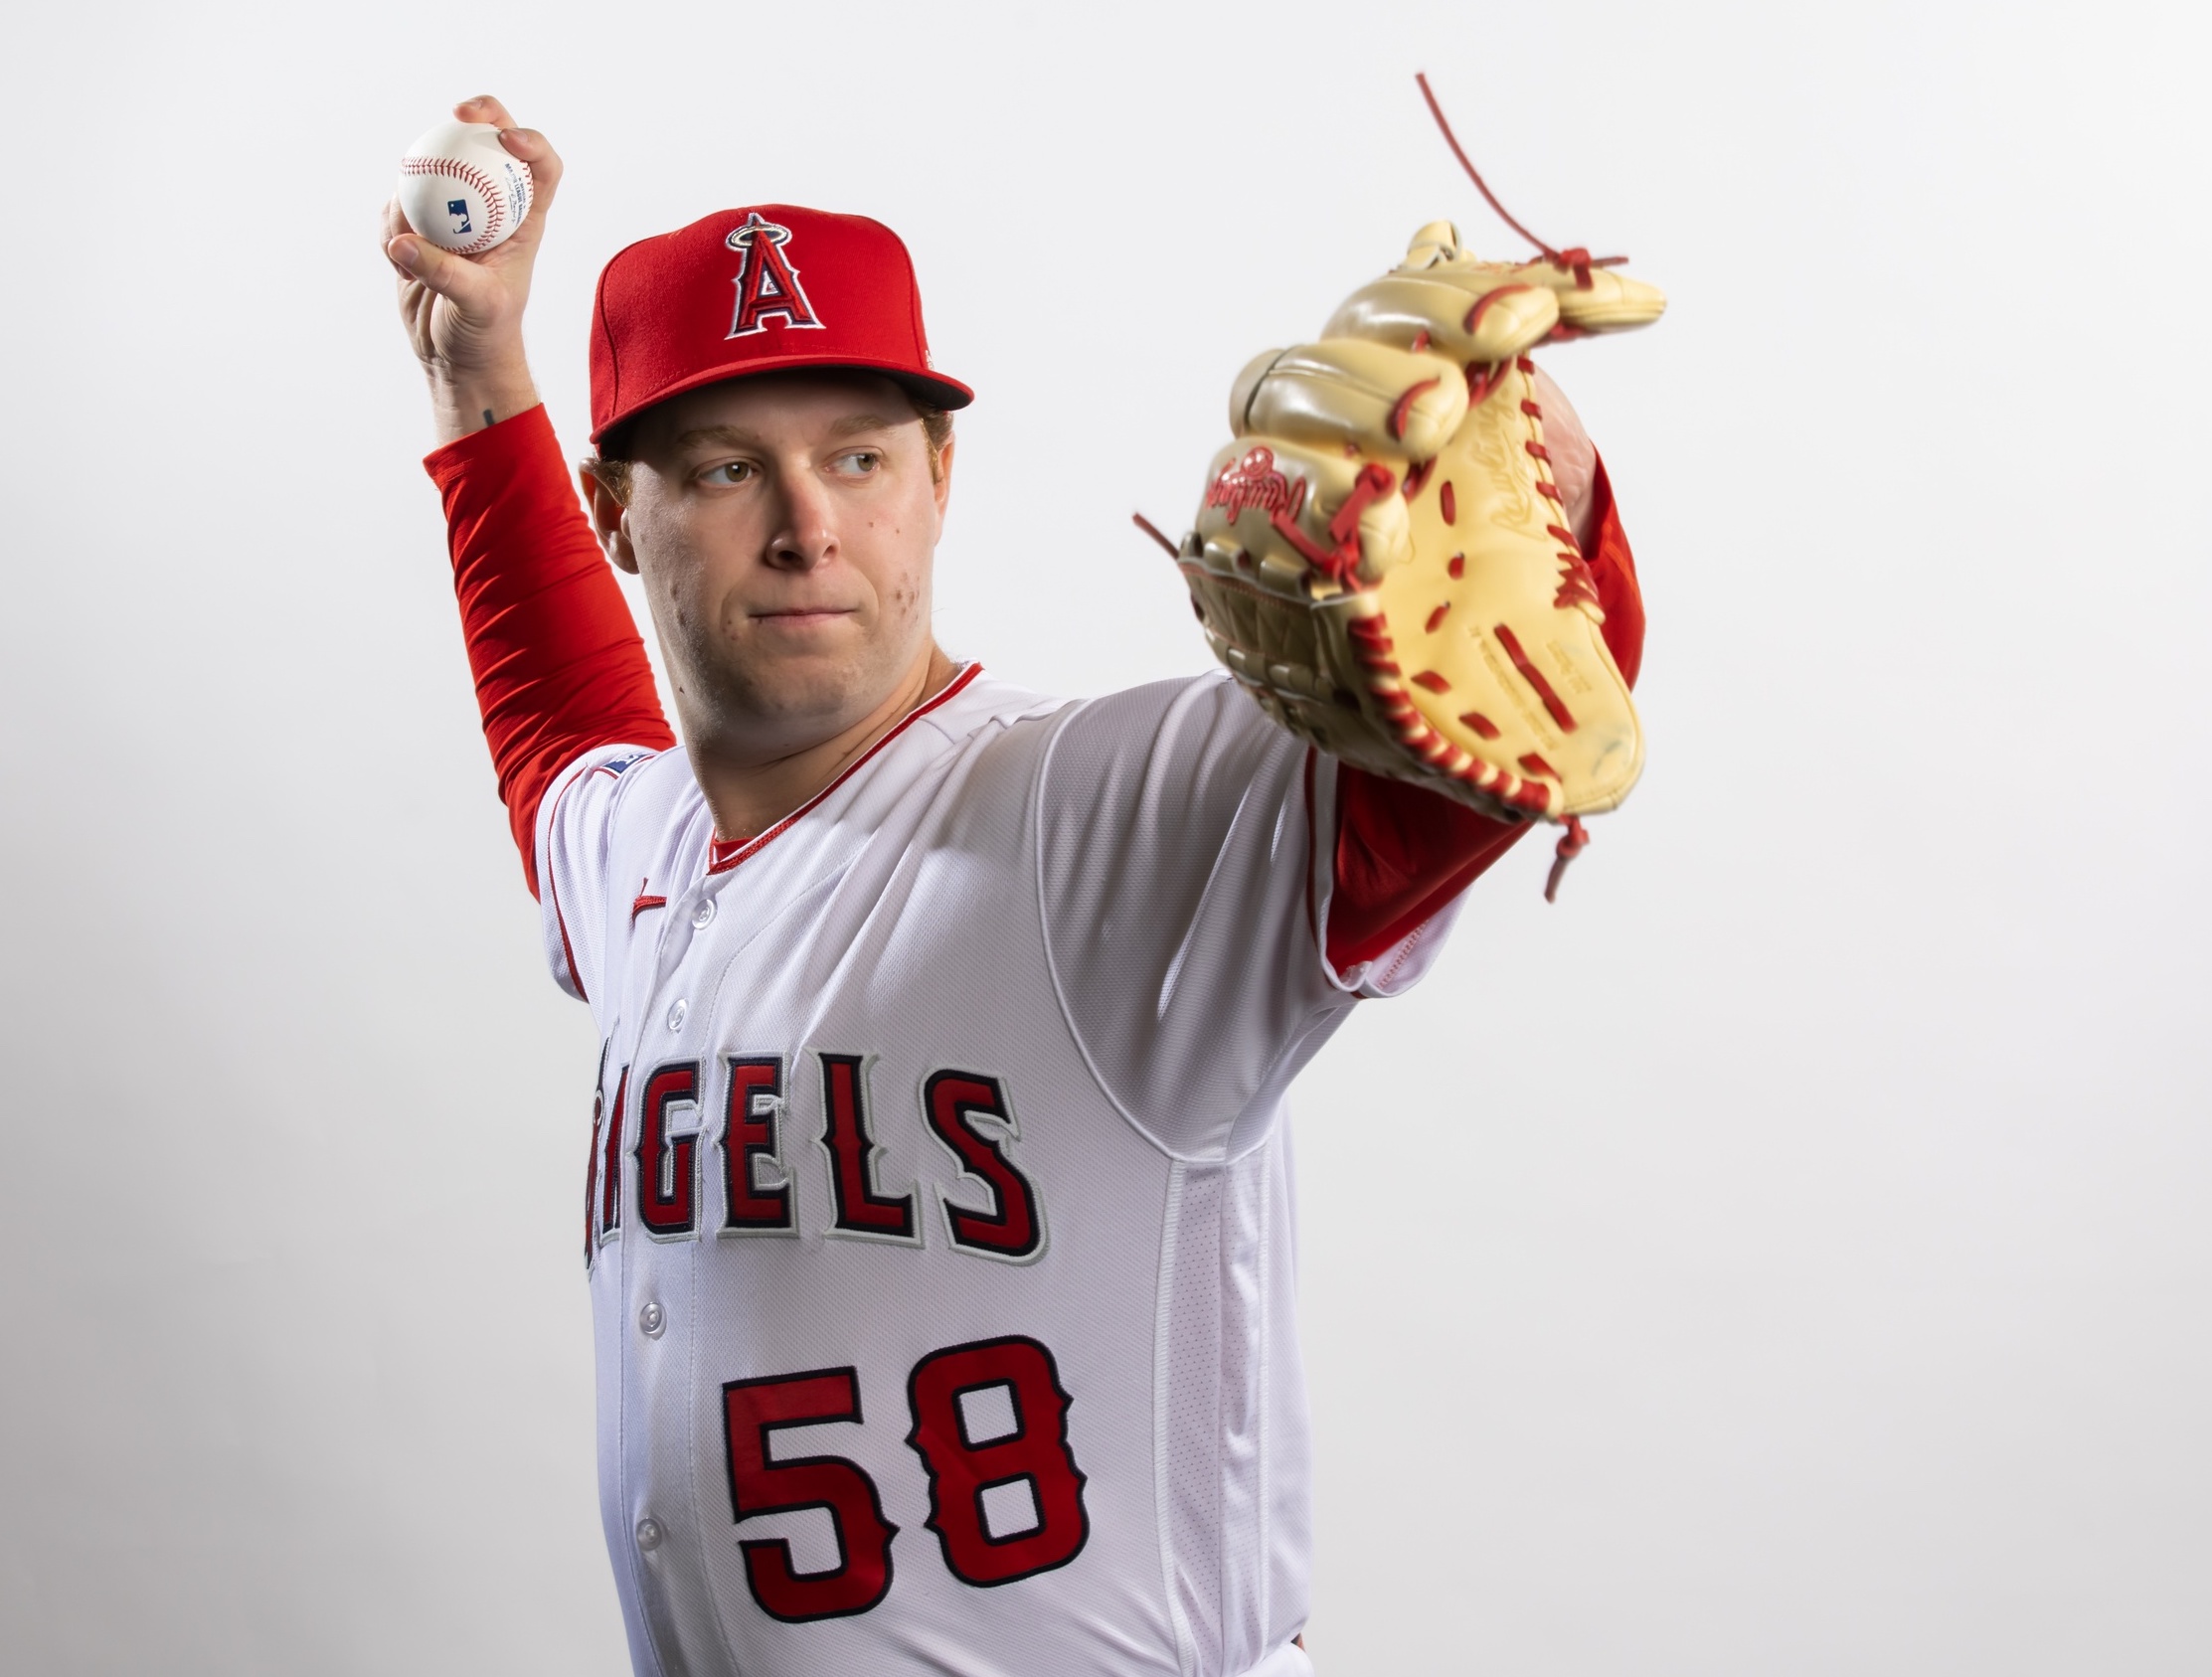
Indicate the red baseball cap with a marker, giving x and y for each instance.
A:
(766, 288)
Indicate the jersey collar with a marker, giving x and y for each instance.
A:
(723, 854)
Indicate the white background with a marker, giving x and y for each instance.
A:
(1787, 1254)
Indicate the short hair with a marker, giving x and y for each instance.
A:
(611, 463)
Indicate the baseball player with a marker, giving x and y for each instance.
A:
(938, 1213)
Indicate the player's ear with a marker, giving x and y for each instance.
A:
(943, 473)
(605, 487)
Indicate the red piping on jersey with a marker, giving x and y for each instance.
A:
(640, 903)
(568, 955)
(722, 857)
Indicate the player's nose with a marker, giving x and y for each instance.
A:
(804, 534)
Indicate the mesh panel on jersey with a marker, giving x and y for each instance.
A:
(1213, 1442)
(1190, 1446)
(1244, 1443)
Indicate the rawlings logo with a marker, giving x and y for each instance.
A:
(768, 285)
(1253, 483)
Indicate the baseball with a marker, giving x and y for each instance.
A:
(463, 190)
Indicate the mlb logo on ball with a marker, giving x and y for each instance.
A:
(463, 190)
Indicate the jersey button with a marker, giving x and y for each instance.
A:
(676, 1015)
(648, 1534)
(652, 1319)
(702, 914)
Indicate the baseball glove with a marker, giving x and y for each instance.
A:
(1382, 560)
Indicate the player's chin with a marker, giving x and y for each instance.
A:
(806, 651)
(818, 674)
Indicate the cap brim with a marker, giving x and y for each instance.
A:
(932, 387)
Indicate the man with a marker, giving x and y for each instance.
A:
(939, 1204)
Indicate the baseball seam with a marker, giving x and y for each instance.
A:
(496, 211)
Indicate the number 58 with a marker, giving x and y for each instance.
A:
(962, 1472)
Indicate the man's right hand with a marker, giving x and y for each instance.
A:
(463, 314)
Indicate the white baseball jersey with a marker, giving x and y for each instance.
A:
(939, 1216)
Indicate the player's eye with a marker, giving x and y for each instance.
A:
(725, 472)
(860, 462)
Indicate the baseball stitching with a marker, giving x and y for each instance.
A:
(495, 212)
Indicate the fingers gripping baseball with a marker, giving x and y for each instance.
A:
(533, 150)
(463, 312)
(419, 261)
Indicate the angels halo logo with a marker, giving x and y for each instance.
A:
(768, 285)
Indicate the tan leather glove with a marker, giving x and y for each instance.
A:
(1383, 559)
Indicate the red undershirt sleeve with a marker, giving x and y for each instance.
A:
(559, 666)
(1403, 852)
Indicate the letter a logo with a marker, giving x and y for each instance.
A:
(768, 285)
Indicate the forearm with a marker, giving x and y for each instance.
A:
(557, 658)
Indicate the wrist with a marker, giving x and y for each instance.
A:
(466, 401)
